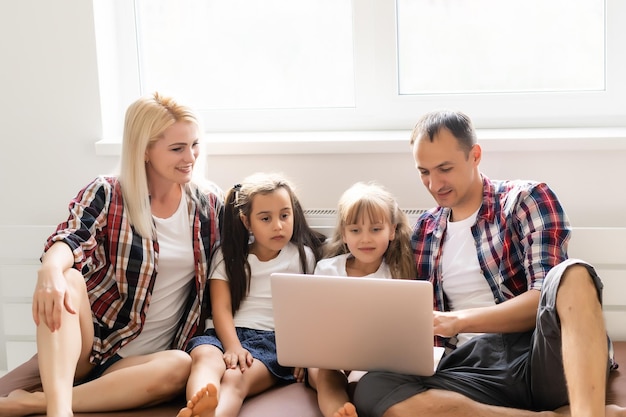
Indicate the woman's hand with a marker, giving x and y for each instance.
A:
(239, 356)
(50, 297)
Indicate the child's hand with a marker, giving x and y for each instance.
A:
(298, 373)
(240, 357)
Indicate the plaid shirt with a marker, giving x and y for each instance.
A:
(120, 266)
(521, 232)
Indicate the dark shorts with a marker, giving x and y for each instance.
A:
(260, 343)
(98, 370)
(519, 370)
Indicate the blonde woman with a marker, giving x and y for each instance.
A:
(121, 280)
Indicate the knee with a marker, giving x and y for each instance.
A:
(75, 281)
(176, 367)
(182, 360)
(576, 272)
(578, 287)
(207, 356)
(578, 283)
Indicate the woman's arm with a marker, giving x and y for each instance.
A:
(50, 294)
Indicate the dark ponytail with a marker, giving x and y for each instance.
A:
(234, 244)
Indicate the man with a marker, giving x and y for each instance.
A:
(523, 324)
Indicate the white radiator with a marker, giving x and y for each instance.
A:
(324, 220)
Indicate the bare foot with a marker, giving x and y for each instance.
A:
(20, 403)
(203, 401)
(347, 410)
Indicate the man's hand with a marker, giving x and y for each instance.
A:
(446, 324)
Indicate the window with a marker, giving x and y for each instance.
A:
(341, 65)
(268, 54)
(525, 46)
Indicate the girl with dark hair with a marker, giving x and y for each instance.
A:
(264, 231)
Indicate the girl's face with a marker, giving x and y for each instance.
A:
(368, 240)
(271, 223)
(171, 158)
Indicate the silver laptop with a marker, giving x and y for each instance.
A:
(350, 323)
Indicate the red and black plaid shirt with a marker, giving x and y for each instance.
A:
(120, 266)
(521, 232)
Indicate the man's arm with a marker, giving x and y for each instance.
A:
(515, 315)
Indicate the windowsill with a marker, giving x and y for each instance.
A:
(397, 141)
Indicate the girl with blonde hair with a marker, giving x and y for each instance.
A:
(372, 239)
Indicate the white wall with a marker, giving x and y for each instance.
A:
(589, 184)
(50, 118)
(49, 107)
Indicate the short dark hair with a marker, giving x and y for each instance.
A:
(458, 123)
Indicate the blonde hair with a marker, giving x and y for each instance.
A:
(146, 120)
(374, 201)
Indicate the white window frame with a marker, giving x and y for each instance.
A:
(380, 112)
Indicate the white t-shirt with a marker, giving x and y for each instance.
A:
(336, 266)
(463, 280)
(255, 311)
(175, 273)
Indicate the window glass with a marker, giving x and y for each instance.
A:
(366, 65)
(242, 54)
(478, 46)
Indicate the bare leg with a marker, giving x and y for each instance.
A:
(434, 403)
(203, 386)
(212, 390)
(584, 353)
(584, 344)
(130, 383)
(235, 386)
(224, 398)
(59, 352)
(13, 404)
(63, 355)
(332, 392)
(136, 381)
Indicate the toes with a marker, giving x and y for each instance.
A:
(185, 412)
